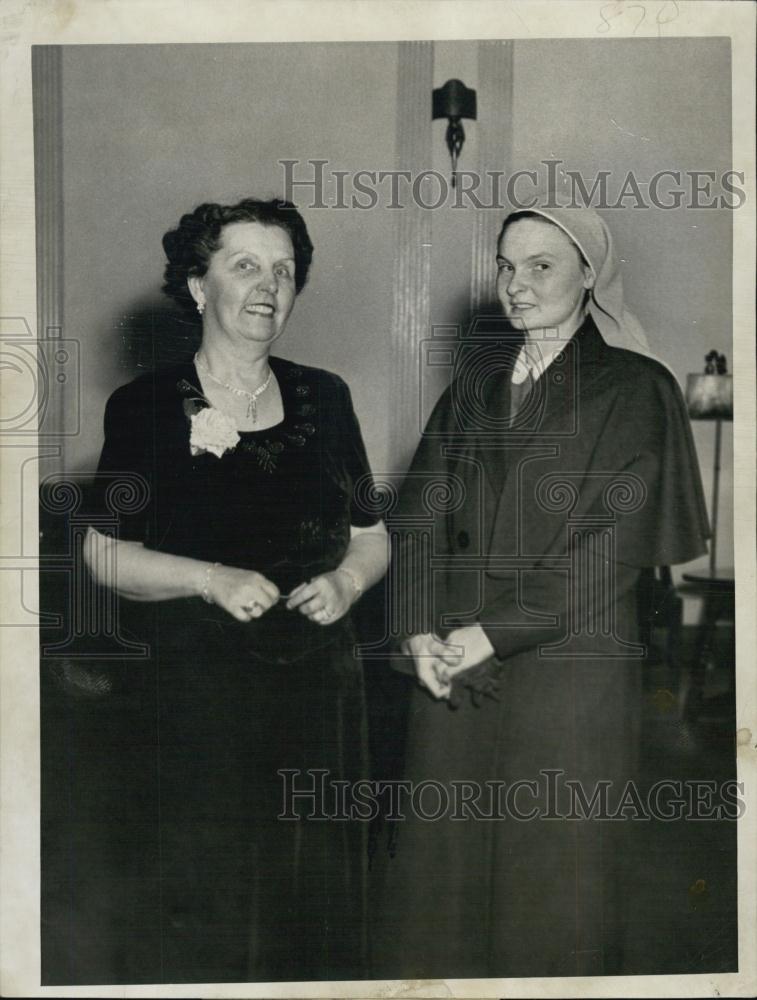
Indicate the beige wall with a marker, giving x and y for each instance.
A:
(643, 106)
(151, 131)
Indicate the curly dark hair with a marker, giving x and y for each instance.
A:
(190, 246)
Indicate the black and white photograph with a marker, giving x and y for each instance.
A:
(378, 442)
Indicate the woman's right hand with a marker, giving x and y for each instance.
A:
(244, 593)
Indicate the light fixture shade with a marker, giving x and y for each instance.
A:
(454, 100)
(709, 397)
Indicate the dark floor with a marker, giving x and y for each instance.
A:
(682, 915)
(681, 912)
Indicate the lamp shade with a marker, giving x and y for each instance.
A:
(454, 100)
(709, 397)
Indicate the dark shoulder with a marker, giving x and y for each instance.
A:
(312, 383)
(638, 375)
(603, 366)
(306, 373)
(149, 394)
(637, 366)
(153, 384)
(634, 392)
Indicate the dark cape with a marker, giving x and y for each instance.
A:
(545, 521)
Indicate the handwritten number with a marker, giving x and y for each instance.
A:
(666, 12)
(614, 8)
(637, 6)
(666, 20)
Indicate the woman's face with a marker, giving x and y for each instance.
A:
(541, 278)
(248, 290)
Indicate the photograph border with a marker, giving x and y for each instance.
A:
(50, 22)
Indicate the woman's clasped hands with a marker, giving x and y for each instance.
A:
(438, 661)
(247, 595)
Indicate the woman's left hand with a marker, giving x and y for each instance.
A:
(324, 599)
(475, 649)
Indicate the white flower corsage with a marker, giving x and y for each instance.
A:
(212, 431)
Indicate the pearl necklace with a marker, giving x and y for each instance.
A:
(251, 397)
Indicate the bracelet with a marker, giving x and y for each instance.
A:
(205, 592)
(353, 578)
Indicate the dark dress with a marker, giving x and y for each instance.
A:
(233, 893)
(549, 516)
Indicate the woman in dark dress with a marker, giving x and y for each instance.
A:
(239, 562)
(569, 468)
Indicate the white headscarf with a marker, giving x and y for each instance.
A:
(590, 233)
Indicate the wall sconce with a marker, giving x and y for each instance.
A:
(454, 101)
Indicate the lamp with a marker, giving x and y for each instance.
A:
(454, 101)
(709, 396)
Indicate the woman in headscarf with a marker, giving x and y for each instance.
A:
(568, 468)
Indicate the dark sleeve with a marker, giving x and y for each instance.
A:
(354, 461)
(419, 529)
(123, 484)
(549, 594)
(643, 474)
(648, 435)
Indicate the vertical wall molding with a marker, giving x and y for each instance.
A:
(412, 246)
(495, 111)
(48, 187)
